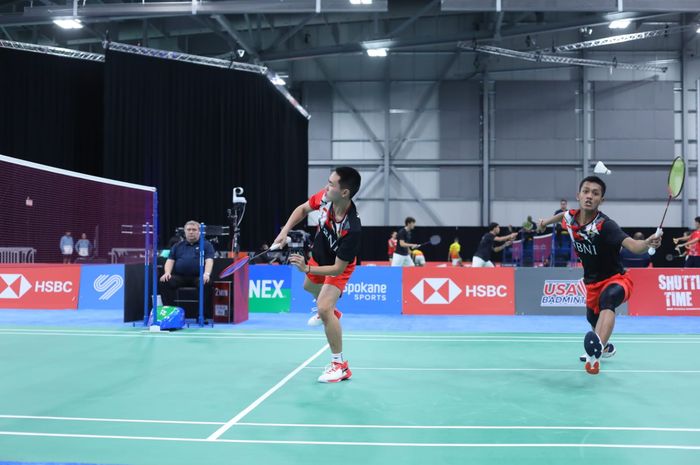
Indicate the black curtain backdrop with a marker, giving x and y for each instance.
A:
(195, 132)
(51, 110)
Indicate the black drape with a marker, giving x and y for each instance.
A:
(51, 110)
(195, 132)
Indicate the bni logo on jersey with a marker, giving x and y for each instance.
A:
(563, 293)
(107, 285)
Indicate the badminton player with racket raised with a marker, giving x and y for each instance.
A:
(333, 258)
(597, 240)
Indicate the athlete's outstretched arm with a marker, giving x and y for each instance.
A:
(640, 246)
(297, 215)
(335, 269)
(542, 223)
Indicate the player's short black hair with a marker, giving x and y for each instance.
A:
(349, 179)
(492, 226)
(697, 219)
(409, 219)
(595, 180)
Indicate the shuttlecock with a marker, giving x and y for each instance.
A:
(600, 168)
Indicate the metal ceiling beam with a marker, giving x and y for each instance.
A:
(236, 36)
(569, 5)
(282, 38)
(401, 27)
(618, 39)
(482, 36)
(541, 57)
(141, 10)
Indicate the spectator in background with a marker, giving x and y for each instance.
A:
(418, 257)
(690, 242)
(83, 246)
(482, 256)
(633, 260)
(391, 245)
(453, 255)
(401, 256)
(66, 246)
(528, 225)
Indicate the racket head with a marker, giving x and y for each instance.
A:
(435, 239)
(233, 267)
(676, 177)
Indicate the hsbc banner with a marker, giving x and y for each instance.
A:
(370, 289)
(458, 291)
(665, 292)
(552, 291)
(52, 287)
(101, 287)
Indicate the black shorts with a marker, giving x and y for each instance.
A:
(693, 261)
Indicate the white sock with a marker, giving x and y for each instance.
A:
(337, 358)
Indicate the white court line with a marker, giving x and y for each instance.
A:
(110, 420)
(367, 426)
(380, 338)
(350, 443)
(476, 427)
(216, 434)
(563, 370)
(306, 334)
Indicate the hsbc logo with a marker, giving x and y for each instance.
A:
(438, 291)
(13, 286)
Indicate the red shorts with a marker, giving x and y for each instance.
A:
(338, 281)
(594, 290)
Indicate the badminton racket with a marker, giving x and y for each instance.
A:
(676, 177)
(238, 264)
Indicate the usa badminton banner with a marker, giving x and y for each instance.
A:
(460, 291)
(52, 287)
(665, 292)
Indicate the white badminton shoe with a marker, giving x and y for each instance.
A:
(335, 372)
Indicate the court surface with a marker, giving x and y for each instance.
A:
(125, 396)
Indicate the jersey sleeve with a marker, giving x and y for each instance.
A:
(401, 236)
(316, 200)
(613, 234)
(208, 250)
(349, 247)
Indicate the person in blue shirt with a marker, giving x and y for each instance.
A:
(83, 247)
(66, 246)
(182, 266)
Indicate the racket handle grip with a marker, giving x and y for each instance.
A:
(277, 245)
(658, 233)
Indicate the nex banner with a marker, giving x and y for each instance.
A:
(270, 288)
(665, 291)
(459, 291)
(52, 287)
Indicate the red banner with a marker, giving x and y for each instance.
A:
(665, 292)
(459, 291)
(52, 287)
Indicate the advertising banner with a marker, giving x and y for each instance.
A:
(102, 287)
(270, 288)
(370, 289)
(52, 287)
(665, 292)
(460, 291)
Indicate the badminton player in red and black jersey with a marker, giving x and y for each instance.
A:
(597, 240)
(333, 257)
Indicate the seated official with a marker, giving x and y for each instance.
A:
(182, 266)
